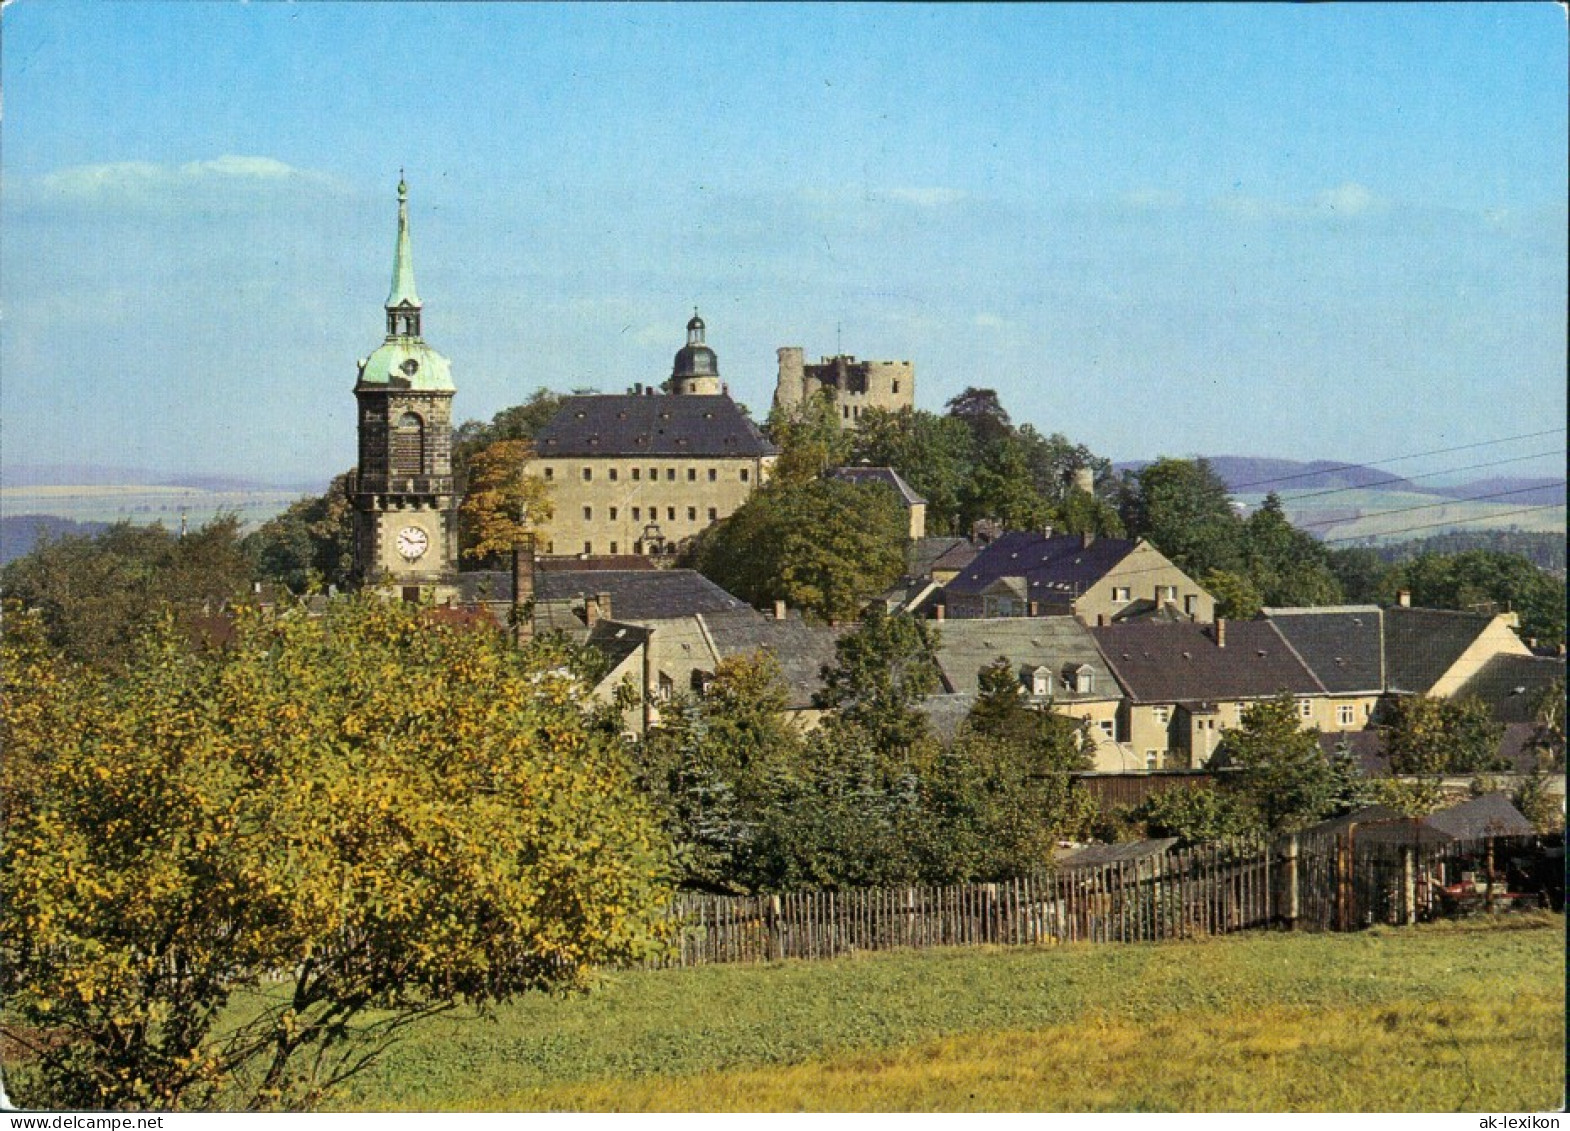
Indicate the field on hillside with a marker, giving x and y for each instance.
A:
(143, 504)
(1376, 515)
(1443, 1017)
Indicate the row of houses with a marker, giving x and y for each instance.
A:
(1157, 693)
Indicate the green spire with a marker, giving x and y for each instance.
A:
(403, 292)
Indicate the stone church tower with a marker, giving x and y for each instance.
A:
(405, 509)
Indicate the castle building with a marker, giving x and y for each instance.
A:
(643, 472)
(856, 385)
(402, 492)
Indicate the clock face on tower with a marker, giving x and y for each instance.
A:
(412, 543)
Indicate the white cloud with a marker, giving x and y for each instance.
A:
(1349, 199)
(1346, 200)
(989, 321)
(142, 178)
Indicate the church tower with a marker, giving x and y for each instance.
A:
(405, 508)
(696, 371)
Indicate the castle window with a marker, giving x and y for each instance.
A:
(670, 475)
(588, 514)
(588, 547)
(612, 474)
(613, 547)
(670, 514)
(408, 445)
(744, 475)
(588, 474)
(692, 514)
(713, 475)
(896, 385)
(713, 514)
(635, 474)
(654, 473)
(635, 514)
(613, 519)
(550, 473)
(692, 475)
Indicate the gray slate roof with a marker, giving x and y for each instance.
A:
(1343, 645)
(884, 475)
(1489, 815)
(1092, 855)
(924, 554)
(1057, 643)
(1511, 685)
(801, 649)
(640, 594)
(946, 713)
(1421, 645)
(1182, 663)
(1054, 567)
(628, 425)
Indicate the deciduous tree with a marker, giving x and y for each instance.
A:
(504, 504)
(1424, 735)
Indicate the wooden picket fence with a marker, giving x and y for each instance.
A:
(1329, 884)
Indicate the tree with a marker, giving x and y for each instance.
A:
(881, 671)
(310, 546)
(519, 422)
(1000, 487)
(822, 545)
(1281, 772)
(1362, 574)
(504, 504)
(98, 594)
(1183, 508)
(1488, 579)
(1288, 567)
(398, 814)
(809, 437)
(1442, 736)
(983, 413)
(933, 453)
(1237, 597)
(1204, 815)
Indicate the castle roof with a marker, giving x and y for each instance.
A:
(632, 425)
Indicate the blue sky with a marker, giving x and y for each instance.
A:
(1310, 231)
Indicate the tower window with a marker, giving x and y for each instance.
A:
(670, 514)
(896, 385)
(588, 514)
(713, 514)
(635, 514)
(408, 445)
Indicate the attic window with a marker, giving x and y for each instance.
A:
(580, 414)
(664, 414)
(621, 416)
(1260, 652)
(707, 415)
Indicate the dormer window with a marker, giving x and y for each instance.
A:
(1041, 683)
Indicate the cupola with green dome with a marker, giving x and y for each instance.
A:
(696, 371)
(404, 361)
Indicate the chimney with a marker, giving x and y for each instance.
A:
(604, 601)
(1046, 531)
(523, 590)
(1033, 609)
(940, 611)
(1404, 598)
(1087, 538)
(1221, 632)
(779, 610)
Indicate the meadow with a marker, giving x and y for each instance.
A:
(1444, 1017)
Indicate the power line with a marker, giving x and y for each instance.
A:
(1414, 478)
(1446, 503)
(1396, 459)
(1443, 522)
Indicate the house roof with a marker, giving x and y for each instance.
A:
(1173, 663)
(884, 475)
(1511, 685)
(1054, 567)
(638, 594)
(1517, 745)
(628, 425)
(946, 713)
(1343, 645)
(1093, 855)
(1489, 815)
(801, 649)
(1421, 645)
(925, 554)
(1056, 643)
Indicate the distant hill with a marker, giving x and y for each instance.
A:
(111, 475)
(19, 533)
(1261, 474)
(1538, 492)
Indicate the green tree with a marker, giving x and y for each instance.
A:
(1000, 487)
(1280, 771)
(504, 504)
(1442, 736)
(400, 815)
(1237, 597)
(1362, 574)
(1204, 815)
(1183, 508)
(983, 413)
(809, 437)
(821, 545)
(882, 670)
(96, 595)
(1487, 579)
(519, 422)
(1287, 567)
(310, 546)
(933, 453)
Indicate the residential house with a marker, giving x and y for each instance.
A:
(1344, 647)
(1058, 667)
(915, 506)
(1098, 580)
(1186, 684)
(1436, 652)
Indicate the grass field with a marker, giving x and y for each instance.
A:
(1444, 1017)
(1380, 515)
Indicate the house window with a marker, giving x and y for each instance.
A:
(1152, 759)
(1237, 711)
(654, 473)
(1085, 682)
(1106, 727)
(1120, 594)
(1162, 715)
(1190, 603)
(692, 514)
(713, 475)
(550, 547)
(1166, 593)
(588, 474)
(692, 475)
(1344, 714)
(1305, 708)
(613, 519)
(714, 514)
(550, 472)
(636, 474)
(744, 475)
(665, 689)
(612, 474)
